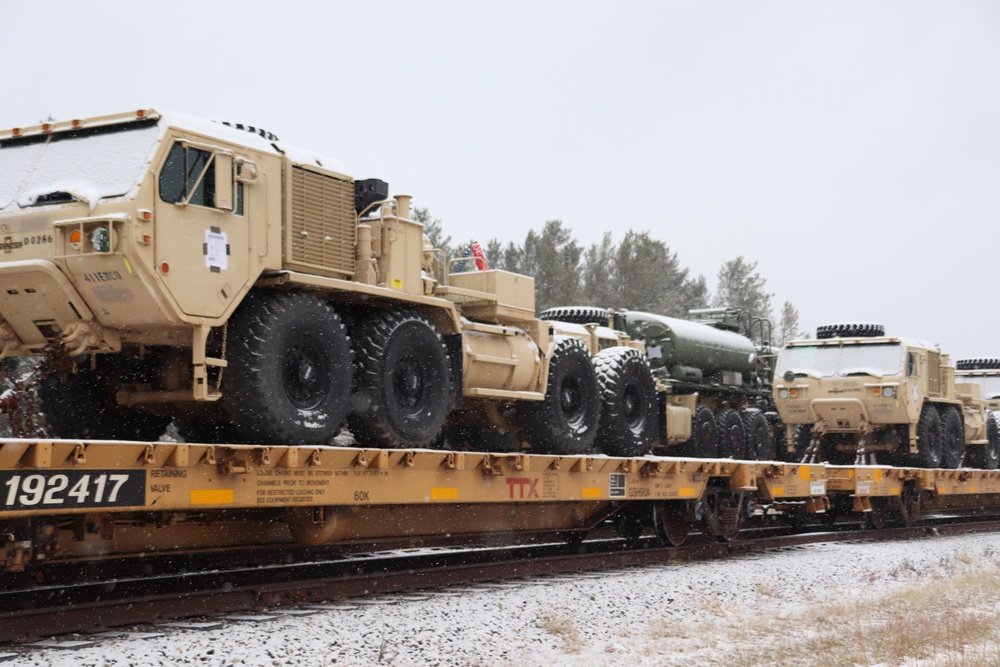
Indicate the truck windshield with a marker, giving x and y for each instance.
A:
(878, 359)
(86, 164)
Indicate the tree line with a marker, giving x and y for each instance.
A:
(638, 272)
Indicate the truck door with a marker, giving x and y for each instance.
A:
(201, 231)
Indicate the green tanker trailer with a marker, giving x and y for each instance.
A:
(713, 361)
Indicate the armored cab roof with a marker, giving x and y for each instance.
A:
(907, 342)
(209, 128)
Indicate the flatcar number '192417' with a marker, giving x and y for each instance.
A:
(72, 489)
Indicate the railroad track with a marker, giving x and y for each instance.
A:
(50, 609)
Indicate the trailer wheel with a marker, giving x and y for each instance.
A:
(760, 447)
(565, 421)
(83, 405)
(928, 440)
(402, 382)
(577, 315)
(289, 370)
(704, 442)
(628, 402)
(732, 435)
(952, 437)
(987, 456)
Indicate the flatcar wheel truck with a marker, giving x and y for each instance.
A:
(170, 268)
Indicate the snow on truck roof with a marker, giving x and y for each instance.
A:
(861, 340)
(209, 128)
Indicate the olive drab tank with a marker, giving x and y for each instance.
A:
(689, 348)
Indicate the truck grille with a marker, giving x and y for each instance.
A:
(322, 226)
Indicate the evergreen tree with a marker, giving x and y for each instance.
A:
(788, 326)
(741, 286)
(433, 229)
(598, 274)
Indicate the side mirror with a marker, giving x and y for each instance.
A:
(224, 181)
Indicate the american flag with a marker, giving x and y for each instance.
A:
(477, 252)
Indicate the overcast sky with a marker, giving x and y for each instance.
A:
(852, 149)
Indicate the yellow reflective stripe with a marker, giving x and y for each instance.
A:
(444, 493)
(591, 492)
(212, 496)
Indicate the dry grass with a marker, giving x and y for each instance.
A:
(563, 628)
(945, 622)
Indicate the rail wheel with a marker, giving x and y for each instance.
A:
(732, 435)
(952, 437)
(929, 449)
(565, 421)
(760, 445)
(289, 369)
(672, 520)
(987, 456)
(83, 404)
(721, 512)
(401, 385)
(628, 402)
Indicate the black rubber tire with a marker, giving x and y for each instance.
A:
(577, 315)
(83, 405)
(952, 437)
(402, 383)
(929, 440)
(760, 446)
(704, 442)
(289, 370)
(732, 435)
(987, 456)
(628, 402)
(565, 421)
(850, 331)
(990, 363)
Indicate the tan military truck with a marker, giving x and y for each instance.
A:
(854, 395)
(174, 268)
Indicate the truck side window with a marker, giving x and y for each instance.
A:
(911, 364)
(187, 176)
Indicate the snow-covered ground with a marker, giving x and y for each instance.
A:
(719, 612)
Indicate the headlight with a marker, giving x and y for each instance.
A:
(783, 393)
(889, 392)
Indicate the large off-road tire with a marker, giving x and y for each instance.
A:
(760, 446)
(952, 437)
(704, 442)
(987, 456)
(732, 435)
(565, 421)
(84, 405)
(929, 440)
(402, 386)
(628, 402)
(577, 315)
(289, 374)
(850, 331)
